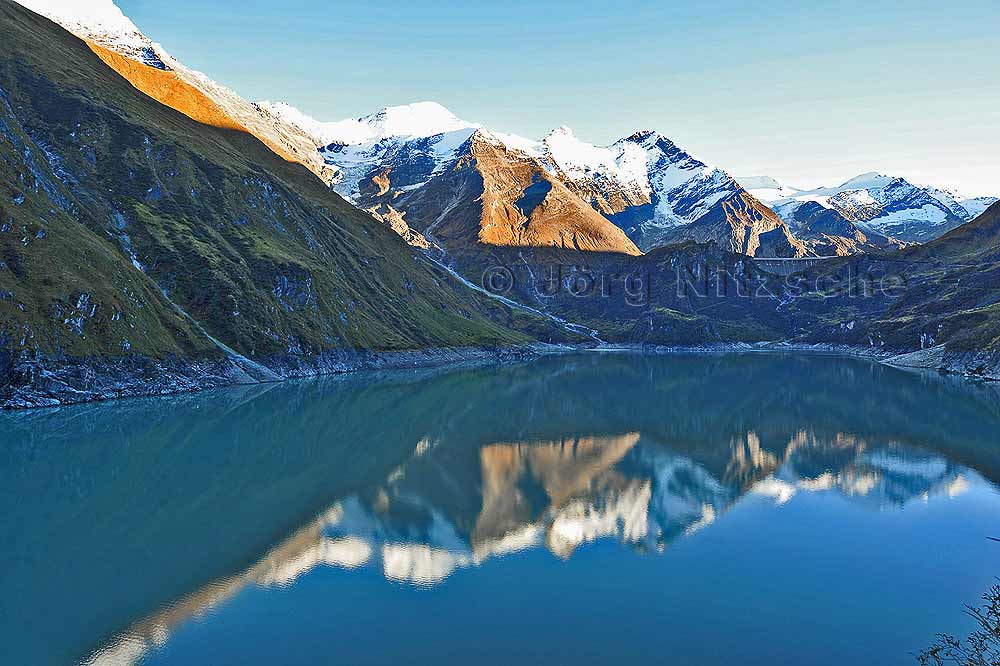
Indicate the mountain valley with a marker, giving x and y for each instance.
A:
(161, 234)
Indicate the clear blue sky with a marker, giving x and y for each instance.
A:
(808, 92)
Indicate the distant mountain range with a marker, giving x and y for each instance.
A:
(649, 187)
(645, 184)
(887, 206)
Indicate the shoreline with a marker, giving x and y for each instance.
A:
(41, 382)
(970, 365)
(38, 382)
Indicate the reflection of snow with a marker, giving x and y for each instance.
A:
(348, 552)
(625, 516)
(515, 541)
(707, 518)
(780, 491)
(890, 476)
(958, 486)
(419, 563)
(127, 650)
(907, 466)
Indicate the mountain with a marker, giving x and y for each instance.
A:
(879, 204)
(644, 184)
(144, 252)
(742, 224)
(977, 242)
(658, 193)
(422, 119)
(485, 193)
(935, 304)
(829, 233)
(432, 175)
(765, 188)
(101, 23)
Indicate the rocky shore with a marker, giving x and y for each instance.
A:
(29, 381)
(977, 365)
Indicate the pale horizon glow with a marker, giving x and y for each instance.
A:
(811, 96)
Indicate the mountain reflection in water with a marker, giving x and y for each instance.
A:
(181, 503)
(559, 495)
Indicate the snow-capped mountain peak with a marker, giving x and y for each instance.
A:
(646, 137)
(766, 188)
(418, 120)
(867, 181)
(421, 119)
(758, 182)
(562, 130)
(576, 158)
(878, 202)
(323, 133)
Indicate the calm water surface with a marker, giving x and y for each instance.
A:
(589, 509)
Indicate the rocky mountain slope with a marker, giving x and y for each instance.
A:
(828, 233)
(877, 204)
(658, 193)
(740, 223)
(102, 23)
(937, 303)
(644, 184)
(158, 253)
(436, 178)
(483, 193)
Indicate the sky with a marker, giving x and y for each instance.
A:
(810, 93)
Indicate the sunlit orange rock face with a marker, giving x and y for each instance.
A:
(523, 205)
(166, 88)
(495, 196)
(174, 88)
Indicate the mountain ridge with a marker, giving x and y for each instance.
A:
(880, 204)
(102, 23)
(644, 183)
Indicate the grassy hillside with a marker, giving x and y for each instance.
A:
(118, 212)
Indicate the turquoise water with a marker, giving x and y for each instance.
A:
(585, 509)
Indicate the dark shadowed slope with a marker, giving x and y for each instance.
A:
(941, 304)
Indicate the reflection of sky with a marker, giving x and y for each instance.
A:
(619, 488)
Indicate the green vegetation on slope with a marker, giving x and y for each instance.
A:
(98, 181)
